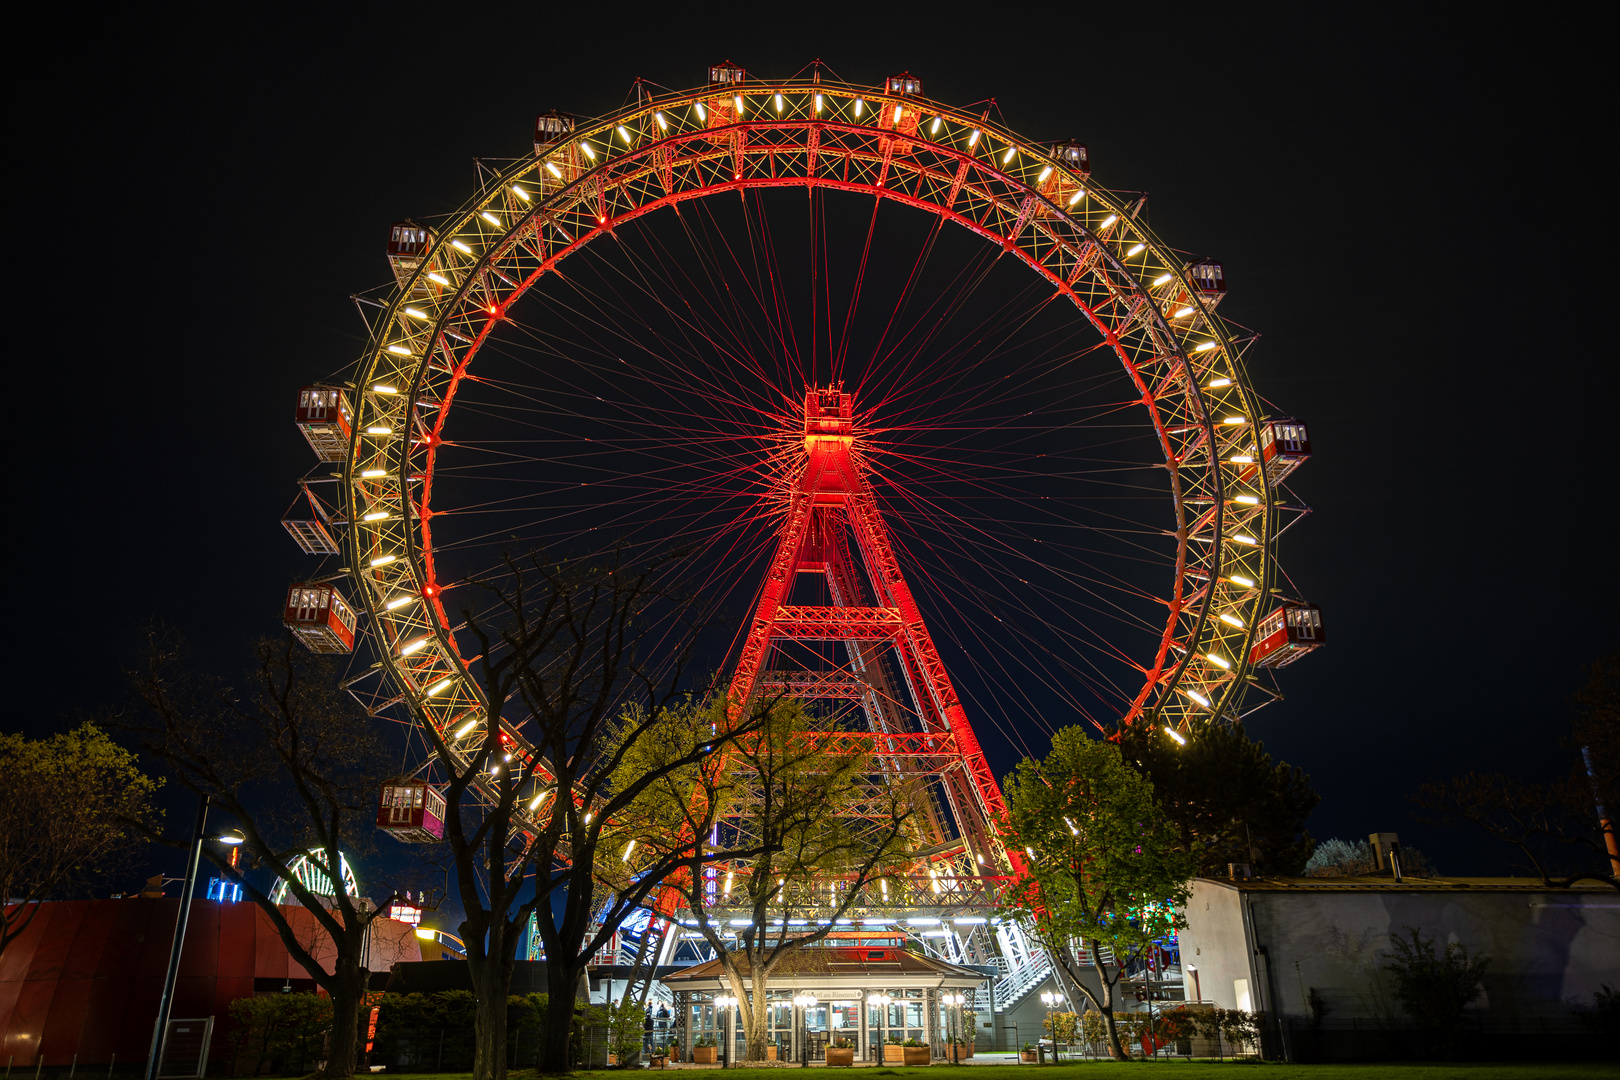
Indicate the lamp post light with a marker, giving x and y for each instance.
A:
(1052, 1001)
(160, 1033)
(881, 1001)
(804, 1003)
(955, 1001)
(726, 1002)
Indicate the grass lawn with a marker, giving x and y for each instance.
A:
(1167, 1070)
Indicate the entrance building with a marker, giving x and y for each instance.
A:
(848, 984)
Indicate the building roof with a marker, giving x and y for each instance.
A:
(861, 963)
(1385, 883)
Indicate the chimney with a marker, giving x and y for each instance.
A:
(1386, 849)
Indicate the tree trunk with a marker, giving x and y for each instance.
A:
(492, 981)
(756, 1025)
(348, 994)
(1105, 1005)
(561, 991)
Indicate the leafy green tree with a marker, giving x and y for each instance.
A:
(284, 1031)
(1228, 800)
(1102, 867)
(815, 825)
(74, 808)
(1434, 989)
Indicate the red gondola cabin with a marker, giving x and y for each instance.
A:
(408, 245)
(1285, 445)
(1286, 635)
(411, 811)
(320, 617)
(324, 418)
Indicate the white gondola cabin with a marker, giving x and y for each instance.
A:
(408, 245)
(1060, 182)
(551, 127)
(320, 618)
(1285, 445)
(412, 811)
(324, 418)
(1286, 635)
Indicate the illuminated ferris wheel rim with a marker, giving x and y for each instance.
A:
(964, 168)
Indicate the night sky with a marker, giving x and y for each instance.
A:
(1405, 204)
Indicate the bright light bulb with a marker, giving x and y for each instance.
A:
(438, 279)
(625, 135)
(415, 646)
(738, 100)
(859, 104)
(416, 313)
(973, 139)
(489, 217)
(585, 146)
(1233, 420)
(1174, 734)
(587, 818)
(426, 933)
(1239, 579)
(1247, 500)
(399, 350)
(524, 195)
(663, 125)
(1135, 251)
(440, 685)
(628, 848)
(897, 111)
(372, 474)
(778, 102)
(933, 129)
(1218, 661)
(1109, 220)
(1184, 312)
(551, 167)
(465, 729)
(398, 602)
(1161, 279)
(1216, 384)
(1041, 179)
(703, 114)
(377, 429)
(818, 103)
(1240, 459)
(1231, 620)
(1077, 196)
(379, 388)
(463, 248)
(1012, 152)
(1200, 698)
(1205, 347)
(538, 799)
(376, 515)
(1243, 538)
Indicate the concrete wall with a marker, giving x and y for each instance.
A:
(1548, 950)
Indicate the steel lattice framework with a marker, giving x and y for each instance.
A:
(1087, 243)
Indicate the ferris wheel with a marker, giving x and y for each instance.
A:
(641, 336)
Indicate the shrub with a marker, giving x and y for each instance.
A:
(1434, 989)
(1604, 1012)
(283, 1031)
(1338, 858)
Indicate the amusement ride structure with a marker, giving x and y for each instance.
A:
(1040, 471)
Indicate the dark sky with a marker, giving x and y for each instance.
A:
(1405, 202)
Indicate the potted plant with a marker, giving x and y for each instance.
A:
(893, 1050)
(917, 1053)
(704, 1051)
(841, 1052)
(1026, 1053)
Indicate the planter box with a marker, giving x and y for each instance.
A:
(845, 1056)
(963, 1051)
(918, 1055)
(658, 1061)
(705, 1055)
(770, 1051)
(1027, 1056)
(893, 1052)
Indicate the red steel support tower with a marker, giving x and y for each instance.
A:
(886, 642)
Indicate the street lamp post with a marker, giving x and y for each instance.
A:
(1052, 1001)
(804, 1003)
(955, 1001)
(882, 1003)
(160, 1033)
(727, 1003)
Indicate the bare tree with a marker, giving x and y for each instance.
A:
(66, 819)
(298, 765)
(812, 825)
(564, 643)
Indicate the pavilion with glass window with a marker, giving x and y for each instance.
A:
(868, 995)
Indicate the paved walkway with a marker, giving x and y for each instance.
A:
(979, 1058)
